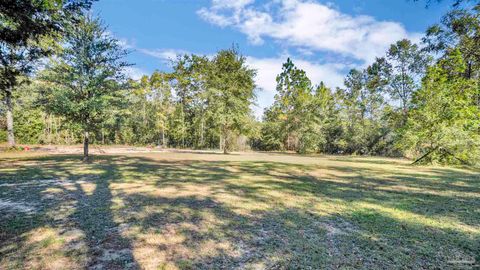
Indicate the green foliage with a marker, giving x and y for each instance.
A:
(27, 38)
(81, 83)
(356, 119)
(38, 18)
(29, 125)
(297, 128)
(361, 111)
(202, 103)
(149, 105)
(326, 119)
(230, 93)
(3, 135)
(401, 104)
(28, 32)
(406, 64)
(460, 29)
(444, 125)
(84, 81)
(271, 131)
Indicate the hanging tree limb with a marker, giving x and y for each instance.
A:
(464, 162)
(445, 152)
(425, 155)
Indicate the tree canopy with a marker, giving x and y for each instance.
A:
(28, 29)
(419, 101)
(81, 83)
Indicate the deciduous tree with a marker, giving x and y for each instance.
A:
(86, 76)
(27, 29)
(443, 125)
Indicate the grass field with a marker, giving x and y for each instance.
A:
(240, 211)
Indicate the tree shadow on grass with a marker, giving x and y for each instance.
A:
(431, 193)
(201, 233)
(371, 160)
(84, 231)
(137, 212)
(107, 248)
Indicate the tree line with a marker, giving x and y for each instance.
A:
(418, 100)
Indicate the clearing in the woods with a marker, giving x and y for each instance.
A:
(197, 210)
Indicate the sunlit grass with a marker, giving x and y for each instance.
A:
(252, 210)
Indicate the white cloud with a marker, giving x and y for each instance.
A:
(213, 18)
(163, 54)
(134, 72)
(235, 4)
(126, 44)
(308, 24)
(216, 13)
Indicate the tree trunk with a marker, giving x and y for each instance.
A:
(225, 151)
(85, 146)
(220, 142)
(57, 134)
(201, 134)
(49, 129)
(163, 136)
(103, 134)
(225, 141)
(10, 134)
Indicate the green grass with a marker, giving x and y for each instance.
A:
(247, 211)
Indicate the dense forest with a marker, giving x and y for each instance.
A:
(62, 81)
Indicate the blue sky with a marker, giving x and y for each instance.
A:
(325, 38)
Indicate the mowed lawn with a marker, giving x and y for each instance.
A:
(238, 211)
